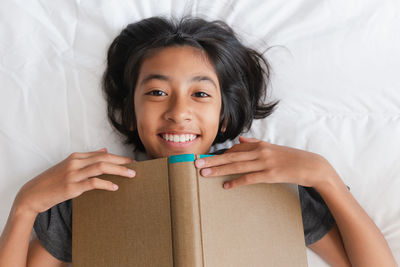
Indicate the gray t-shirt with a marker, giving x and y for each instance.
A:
(54, 226)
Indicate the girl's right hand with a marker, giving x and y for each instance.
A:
(70, 178)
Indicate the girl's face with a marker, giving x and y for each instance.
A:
(177, 102)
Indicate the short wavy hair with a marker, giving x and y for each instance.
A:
(243, 73)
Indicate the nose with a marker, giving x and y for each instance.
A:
(179, 110)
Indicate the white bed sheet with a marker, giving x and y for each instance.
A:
(335, 68)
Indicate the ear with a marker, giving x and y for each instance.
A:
(224, 125)
(132, 128)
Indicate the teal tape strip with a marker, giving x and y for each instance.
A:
(185, 158)
(205, 156)
(181, 158)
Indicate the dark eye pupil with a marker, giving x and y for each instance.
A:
(157, 93)
(202, 94)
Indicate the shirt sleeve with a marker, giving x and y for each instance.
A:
(53, 228)
(317, 218)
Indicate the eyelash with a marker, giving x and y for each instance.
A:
(159, 91)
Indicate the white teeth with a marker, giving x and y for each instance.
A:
(179, 138)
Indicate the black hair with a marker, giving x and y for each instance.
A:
(243, 73)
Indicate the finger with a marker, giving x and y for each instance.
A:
(251, 178)
(224, 159)
(243, 147)
(106, 157)
(103, 167)
(84, 155)
(97, 183)
(234, 168)
(243, 139)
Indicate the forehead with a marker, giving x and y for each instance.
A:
(178, 61)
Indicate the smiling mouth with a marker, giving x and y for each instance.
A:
(178, 138)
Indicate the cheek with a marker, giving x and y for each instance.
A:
(144, 118)
(211, 119)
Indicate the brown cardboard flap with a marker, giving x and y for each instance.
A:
(128, 227)
(251, 225)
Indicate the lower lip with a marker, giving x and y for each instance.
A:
(178, 144)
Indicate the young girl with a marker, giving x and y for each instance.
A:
(182, 87)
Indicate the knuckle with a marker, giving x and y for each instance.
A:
(72, 164)
(107, 157)
(93, 182)
(101, 166)
(73, 155)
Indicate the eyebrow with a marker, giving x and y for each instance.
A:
(198, 78)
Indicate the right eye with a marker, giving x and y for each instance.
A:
(157, 93)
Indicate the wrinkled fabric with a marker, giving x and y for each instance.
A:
(335, 68)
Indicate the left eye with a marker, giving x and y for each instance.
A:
(157, 93)
(201, 94)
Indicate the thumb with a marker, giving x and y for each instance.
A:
(243, 139)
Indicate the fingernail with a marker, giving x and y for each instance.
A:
(102, 149)
(115, 187)
(131, 173)
(200, 163)
(206, 172)
(227, 185)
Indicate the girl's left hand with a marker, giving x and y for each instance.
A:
(263, 162)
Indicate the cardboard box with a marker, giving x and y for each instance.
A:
(169, 215)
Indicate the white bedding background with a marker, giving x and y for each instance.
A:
(335, 67)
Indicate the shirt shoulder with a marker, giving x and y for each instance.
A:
(317, 218)
(53, 228)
